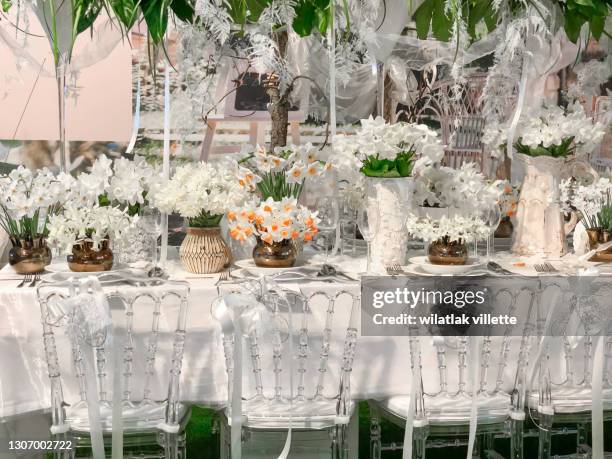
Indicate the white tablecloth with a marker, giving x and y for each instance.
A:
(381, 367)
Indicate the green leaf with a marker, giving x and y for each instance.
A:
(476, 14)
(441, 25)
(573, 24)
(126, 11)
(305, 18)
(597, 25)
(183, 10)
(491, 20)
(422, 18)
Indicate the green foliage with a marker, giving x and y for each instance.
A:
(5, 5)
(312, 15)
(432, 16)
(565, 148)
(604, 216)
(401, 166)
(205, 220)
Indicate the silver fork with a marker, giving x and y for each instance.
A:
(394, 270)
(550, 268)
(224, 276)
(26, 278)
(36, 279)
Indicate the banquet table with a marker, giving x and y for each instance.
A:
(380, 368)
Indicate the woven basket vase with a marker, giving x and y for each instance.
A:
(204, 251)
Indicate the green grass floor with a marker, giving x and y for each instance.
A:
(202, 443)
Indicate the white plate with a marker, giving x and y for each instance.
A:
(248, 264)
(425, 265)
(418, 270)
(62, 268)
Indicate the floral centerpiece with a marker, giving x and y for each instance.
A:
(280, 174)
(548, 141)
(276, 225)
(86, 231)
(593, 204)
(447, 237)
(203, 194)
(386, 155)
(27, 201)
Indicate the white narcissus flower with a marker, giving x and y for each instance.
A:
(197, 188)
(466, 229)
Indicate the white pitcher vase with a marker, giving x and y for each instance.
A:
(540, 228)
(389, 199)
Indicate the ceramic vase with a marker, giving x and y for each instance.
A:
(390, 200)
(204, 251)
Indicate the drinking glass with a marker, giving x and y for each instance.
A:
(329, 214)
(152, 224)
(491, 216)
(367, 222)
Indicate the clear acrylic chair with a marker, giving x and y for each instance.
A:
(116, 366)
(299, 340)
(572, 346)
(440, 367)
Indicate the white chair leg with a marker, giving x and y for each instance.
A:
(516, 439)
(171, 447)
(419, 440)
(545, 437)
(375, 433)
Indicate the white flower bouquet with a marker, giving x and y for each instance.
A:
(273, 221)
(549, 131)
(280, 174)
(381, 149)
(28, 200)
(88, 224)
(465, 188)
(586, 199)
(454, 229)
(200, 192)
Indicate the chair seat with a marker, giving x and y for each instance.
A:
(454, 409)
(569, 400)
(261, 413)
(135, 418)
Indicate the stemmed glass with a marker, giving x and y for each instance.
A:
(329, 214)
(367, 222)
(152, 224)
(491, 216)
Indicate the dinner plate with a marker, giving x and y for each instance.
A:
(425, 265)
(418, 270)
(60, 271)
(248, 264)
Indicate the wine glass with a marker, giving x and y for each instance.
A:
(491, 216)
(152, 224)
(367, 222)
(329, 214)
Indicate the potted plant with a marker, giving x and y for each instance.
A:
(203, 194)
(447, 238)
(385, 154)
(548, 142)
(27, 201)
(276, 225)
(87, 232)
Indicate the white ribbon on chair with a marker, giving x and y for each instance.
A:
(90, 325)
(238, 315)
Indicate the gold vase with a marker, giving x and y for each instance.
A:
(204, 251)
(29, 256)
(85, 259)
(505, 229)
(280, 254)
(599, 236)
(447, 252)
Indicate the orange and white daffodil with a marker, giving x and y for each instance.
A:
(246, 178)
(314, 169)
(297, 173)
(273, 221)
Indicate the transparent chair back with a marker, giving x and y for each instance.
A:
(302, 350)
(142, 347)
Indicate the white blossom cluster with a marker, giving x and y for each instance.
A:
(76, 224)
(465, 188)
(25, 195)
(589, 78)
(466, 229)
(197, 188)
(585, 198)
(549, 126)
(132, 180)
